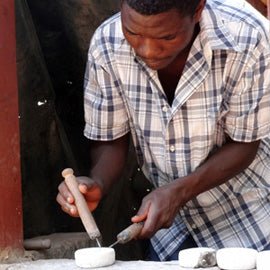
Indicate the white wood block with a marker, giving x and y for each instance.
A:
(94, 257)
(236, 258)
(263, 260)
(197, 257)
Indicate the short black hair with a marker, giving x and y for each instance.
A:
(153, 7)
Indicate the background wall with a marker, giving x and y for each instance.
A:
(52, 43)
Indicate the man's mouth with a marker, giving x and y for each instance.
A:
(153, 62)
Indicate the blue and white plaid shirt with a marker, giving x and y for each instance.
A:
(224, 91)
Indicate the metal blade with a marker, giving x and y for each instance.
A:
(116, 242)
(98, 243)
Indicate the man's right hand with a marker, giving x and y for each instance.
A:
(90, 189)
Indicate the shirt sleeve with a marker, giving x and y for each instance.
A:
(105, 113)
(248, 107)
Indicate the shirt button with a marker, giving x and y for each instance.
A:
(172, 148)
(193, 226)
(165, 109)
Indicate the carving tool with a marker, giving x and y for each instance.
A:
(128, 234)
(84, 212)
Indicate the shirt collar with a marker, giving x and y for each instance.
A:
(214, 32)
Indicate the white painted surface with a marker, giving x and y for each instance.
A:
(263, 260)
(66, 264)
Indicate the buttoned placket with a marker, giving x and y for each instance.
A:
(166, 115)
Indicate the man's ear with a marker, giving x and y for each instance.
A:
(198, 11)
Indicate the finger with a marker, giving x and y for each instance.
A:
(142, 212)
(61, 200)
(71, 212)
(85, 182)
(66, 207)
(152, 223)
(148, 230)
(92, 192)
(92, 195)
(83, 188)
(64, 191)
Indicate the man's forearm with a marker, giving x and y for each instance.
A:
(108, 159)
(224, 164)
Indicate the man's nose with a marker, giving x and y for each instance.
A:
(148, 49)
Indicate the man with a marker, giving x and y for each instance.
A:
(190, 82)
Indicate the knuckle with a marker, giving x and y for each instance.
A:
(57, 198)
(62, 187)
(65, 209)
(59, 187)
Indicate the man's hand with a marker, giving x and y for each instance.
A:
(91, 191)
(159, 208)
(107, 159)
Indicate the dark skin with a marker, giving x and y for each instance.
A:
(170, 76)
(163, 47)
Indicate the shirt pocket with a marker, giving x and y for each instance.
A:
(197, 135)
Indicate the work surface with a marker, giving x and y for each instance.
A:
(119, 265)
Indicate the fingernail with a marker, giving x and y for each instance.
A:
(69, 199)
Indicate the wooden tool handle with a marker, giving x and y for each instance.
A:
(84, 212)
(129, 233)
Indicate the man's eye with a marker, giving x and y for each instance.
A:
(131, 33)
(168, 38)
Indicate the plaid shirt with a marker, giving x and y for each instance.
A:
(224, 91)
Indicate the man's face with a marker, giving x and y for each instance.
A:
(157, 39)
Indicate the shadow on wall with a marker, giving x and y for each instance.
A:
(52, 43)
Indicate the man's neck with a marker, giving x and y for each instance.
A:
(170, 76)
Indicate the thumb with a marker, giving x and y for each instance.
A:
(91, 192)
(83, 188)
